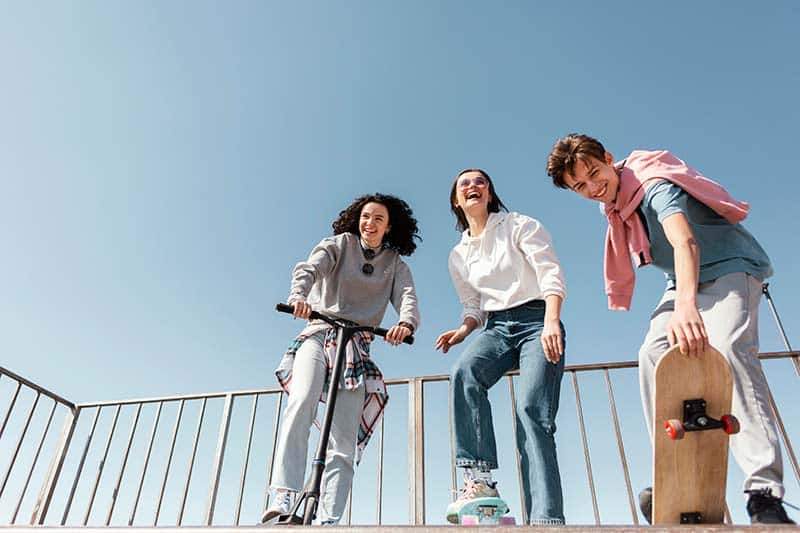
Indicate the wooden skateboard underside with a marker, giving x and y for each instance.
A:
(689, 474)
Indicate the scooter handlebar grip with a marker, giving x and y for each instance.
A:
(382, 332)
(285, 308)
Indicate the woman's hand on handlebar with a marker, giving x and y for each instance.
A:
(396, 334)
(302, 310)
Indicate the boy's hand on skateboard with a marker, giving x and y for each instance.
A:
(687, 330)
(552, 342)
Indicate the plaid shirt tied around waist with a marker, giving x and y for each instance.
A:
(358, 368)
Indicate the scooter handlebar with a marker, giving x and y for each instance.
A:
(289, 309)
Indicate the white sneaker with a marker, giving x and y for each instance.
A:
(473, 489)
(281, 504)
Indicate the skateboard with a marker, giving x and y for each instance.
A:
(690, 448)
(483, 511)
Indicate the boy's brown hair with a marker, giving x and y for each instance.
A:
(569, 150)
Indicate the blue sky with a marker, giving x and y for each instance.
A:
(164, 165)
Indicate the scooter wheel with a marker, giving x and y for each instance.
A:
(731, 424)
(674, 429)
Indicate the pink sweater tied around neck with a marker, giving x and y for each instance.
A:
(626, 236)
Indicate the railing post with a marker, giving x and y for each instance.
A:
(115, 492)
(586, 458)
(39, 512)
(513, 396)
(379, 489)
(191, 461)
(275, 428)
(416, 451)
(220, 455)
(246, 461)
(33, 463)
(622, 457)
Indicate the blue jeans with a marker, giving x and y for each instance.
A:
(511, 340)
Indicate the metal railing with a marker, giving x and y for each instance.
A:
(20, 386)
(68, 493)
(90, 413)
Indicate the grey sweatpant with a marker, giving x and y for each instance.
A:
(308, 380)
(729, 307)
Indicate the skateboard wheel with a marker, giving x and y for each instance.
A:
(731, 424)
(674, 429)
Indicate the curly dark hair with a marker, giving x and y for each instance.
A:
(401, 219)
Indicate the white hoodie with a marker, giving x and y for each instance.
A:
(510, 263)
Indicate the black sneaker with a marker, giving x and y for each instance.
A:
(764, 508)
(646, 504)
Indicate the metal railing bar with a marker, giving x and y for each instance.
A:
(191, 461)
(379, 511)
(622, 457)
(169, 462)
(115, 492)
(272, 450)
(10, 409)
(19, 442)
(589, 367)
(765, 290)
(101, 466)
(219, 457)
(37, 388)
(45, 496)
(786, 442)
(156, 419)
(246, 461)
(33, 464)
(517, 456)
(416, 448)
(453, 475)
(80, 467)
(185, 397)
(586, 457)
(394, 381)
(779, 355)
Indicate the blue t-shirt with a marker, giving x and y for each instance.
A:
(724, 247)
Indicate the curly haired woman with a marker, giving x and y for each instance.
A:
(352, 276)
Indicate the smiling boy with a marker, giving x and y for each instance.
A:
(660, 211)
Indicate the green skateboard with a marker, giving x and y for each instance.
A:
(481, 511)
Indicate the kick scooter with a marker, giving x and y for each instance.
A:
(309, 497)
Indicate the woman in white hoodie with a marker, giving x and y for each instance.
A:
(510, 282)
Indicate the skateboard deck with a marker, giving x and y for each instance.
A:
(690, 462)
(480, 511)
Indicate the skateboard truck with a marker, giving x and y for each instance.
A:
(691, 518)
(695, 418)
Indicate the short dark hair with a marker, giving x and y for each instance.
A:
(495, 204)
(569, 150)
(401, 219)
